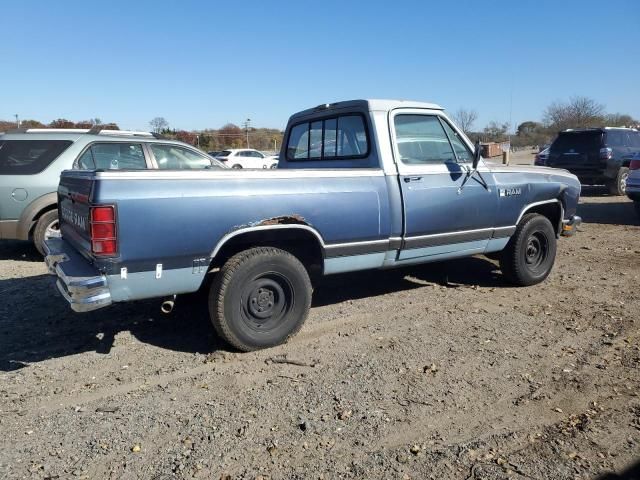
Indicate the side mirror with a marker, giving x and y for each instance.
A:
(477, 154)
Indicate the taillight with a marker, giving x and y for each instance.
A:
(104, 238)
(606, 154)
(634, 165)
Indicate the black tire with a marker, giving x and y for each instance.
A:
(40, 233)
(260, 298)
(619, 185)
(636, 203)
(528, 257)
(237, 166)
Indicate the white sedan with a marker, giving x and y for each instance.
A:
(246, 158)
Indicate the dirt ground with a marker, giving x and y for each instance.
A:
(435, 372)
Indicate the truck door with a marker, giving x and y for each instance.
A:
(446, 210)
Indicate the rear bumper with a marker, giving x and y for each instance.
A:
(570, 225)
(79, 282)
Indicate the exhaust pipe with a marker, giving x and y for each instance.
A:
(167, 305)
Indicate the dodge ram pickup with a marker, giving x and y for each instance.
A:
(363, 184)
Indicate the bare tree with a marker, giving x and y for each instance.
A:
(615, 120)
(158, 124)
(465, 119)
(495, 132)
(578, 112)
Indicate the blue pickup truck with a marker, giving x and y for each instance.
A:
(363, 184)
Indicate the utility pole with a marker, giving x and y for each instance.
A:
(246, 125)
(17, 120)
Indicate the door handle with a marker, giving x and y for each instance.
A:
(412, 179)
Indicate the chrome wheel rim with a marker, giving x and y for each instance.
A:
(52, 230)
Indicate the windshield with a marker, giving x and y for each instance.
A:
(224, 153)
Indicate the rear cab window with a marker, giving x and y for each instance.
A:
(335, 138)
(29, 157)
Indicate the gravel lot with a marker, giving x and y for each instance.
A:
(441, 371)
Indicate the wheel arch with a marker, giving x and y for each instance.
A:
(33, 212)
(301, 240)
(551, 209)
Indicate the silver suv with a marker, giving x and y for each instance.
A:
(31, 162)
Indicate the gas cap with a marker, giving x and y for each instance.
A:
(19, 194)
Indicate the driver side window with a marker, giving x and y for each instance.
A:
(421, 139)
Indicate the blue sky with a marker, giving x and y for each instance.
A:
(202, 64)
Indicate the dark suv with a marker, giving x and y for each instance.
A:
(596, 155)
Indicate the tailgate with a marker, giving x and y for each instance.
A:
(74, 198)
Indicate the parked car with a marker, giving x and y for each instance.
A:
(596, 155)
(633, 180)
(392, 183)
(31, 161)
(541, 157)
(246, 158)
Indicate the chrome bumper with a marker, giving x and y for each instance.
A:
(84, 287)
(570, 225)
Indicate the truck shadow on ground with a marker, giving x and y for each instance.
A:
(453, 274)
(17, 250)
(36, 324)
(631, 473)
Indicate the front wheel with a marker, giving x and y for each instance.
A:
(237, 166)
(529, 256)
(260, 298)
(48, 226)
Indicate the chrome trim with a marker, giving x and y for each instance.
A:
(395, 243)
(449, 238)
(85, 303)
(356, 248)
(83, 293)
(446, 234)
(270, 173)
(235, 233)
(502, 232)
(535, 204)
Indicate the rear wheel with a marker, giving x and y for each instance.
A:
(48, 226)
(260, 298)
(619, 185)
(529, 256)
(236, 166)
